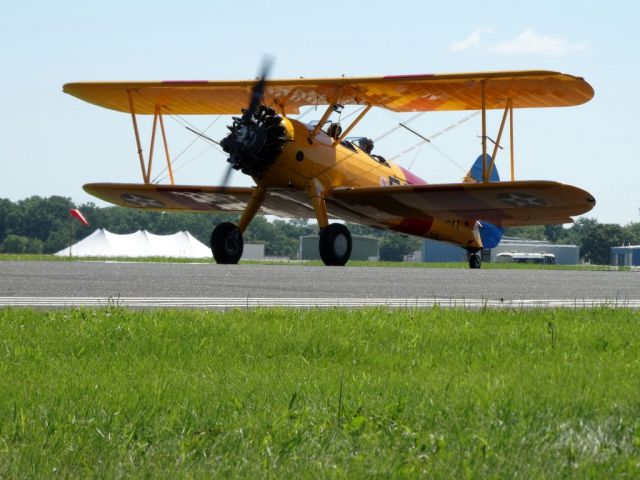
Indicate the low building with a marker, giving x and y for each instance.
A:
(437, 251)
(416, 256)
(363, 248)
(253, 251)
(625, 256)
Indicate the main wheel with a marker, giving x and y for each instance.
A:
(226, 243)
(335, 244)
(475, 259)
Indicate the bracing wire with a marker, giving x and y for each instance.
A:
(353, 113)
(183, 122)
(400, 124)
(302, 115)
(415, 157)
(428, 140)
(184, 164)
(174, 162)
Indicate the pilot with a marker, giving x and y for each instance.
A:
(365, 144)
(334, 130)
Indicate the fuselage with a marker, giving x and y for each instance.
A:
(345, 165)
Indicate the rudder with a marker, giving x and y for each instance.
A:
(490, 234)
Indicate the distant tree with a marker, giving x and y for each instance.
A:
(15, 244)
(578, 231)
(530, 232)
(6, 206)
(553, 233)
(281, 238)
(357, 229)
(394, 246)
(598, 240)
(35, 245)
(57, 240)
(37, 217)
(632, 232)
(45, 224)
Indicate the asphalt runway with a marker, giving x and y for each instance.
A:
(177, 284)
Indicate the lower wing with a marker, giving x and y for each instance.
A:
(193, 198)
(501, 203)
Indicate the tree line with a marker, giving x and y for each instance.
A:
(43, 225)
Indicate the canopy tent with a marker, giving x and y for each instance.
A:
(103, 243)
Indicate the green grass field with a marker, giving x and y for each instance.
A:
(320, 393)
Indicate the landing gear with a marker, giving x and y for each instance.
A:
(475, 259)
(226, 243)
(335, 244)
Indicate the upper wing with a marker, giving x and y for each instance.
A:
(501, 203)
(413, 93)
(196, 198)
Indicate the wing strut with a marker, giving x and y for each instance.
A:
(483, 101)
(137, 134)
(322, 121)
(508, 110)
(353, 124)
(496, 144)
(157, 116)
(513, 175)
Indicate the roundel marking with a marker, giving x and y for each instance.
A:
(141, 201)
(520, 199)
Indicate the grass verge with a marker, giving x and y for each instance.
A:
(320, 393)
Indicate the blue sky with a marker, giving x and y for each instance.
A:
(52, 143)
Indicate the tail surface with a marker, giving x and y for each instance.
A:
(475, 173)
(490, 234)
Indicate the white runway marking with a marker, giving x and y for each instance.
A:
(226, 303)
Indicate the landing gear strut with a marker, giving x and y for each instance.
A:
(475, 258)
(227, 243)
(335, 244)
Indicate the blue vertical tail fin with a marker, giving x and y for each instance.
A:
(490, 234)
(475, 173)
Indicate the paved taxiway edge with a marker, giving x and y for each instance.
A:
(226, 303)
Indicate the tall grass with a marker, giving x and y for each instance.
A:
(320, 393)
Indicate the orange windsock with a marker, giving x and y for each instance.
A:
(76, 213)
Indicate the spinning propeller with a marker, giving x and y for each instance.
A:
(257, 137)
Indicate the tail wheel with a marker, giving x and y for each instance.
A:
(475, 259)
(335, 244)
(227, 243)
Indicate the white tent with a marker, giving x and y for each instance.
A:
(102, 243)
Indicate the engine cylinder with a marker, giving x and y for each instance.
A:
(255, 142)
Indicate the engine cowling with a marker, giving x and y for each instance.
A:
(255, 141)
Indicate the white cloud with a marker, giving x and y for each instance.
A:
(529, 42)
(472, 41)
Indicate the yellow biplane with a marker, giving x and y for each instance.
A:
(314, 170)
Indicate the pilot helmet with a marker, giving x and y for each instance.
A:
(365, 144)
(334, 130)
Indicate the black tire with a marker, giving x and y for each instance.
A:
(227, 243)
(475, 260)
(335, 245)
